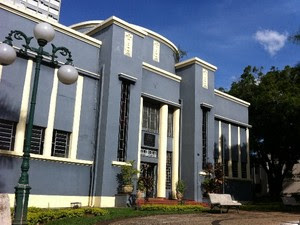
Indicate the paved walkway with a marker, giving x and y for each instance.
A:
(231, 218)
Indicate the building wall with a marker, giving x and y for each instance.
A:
(58, 107)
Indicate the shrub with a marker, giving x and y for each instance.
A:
(172, 208)
(37, 216)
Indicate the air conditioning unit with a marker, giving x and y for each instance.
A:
(149, 140)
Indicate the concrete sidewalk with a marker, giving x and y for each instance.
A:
(231, 218)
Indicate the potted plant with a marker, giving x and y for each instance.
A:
(125, 178)
(140, 188)
(180, 188)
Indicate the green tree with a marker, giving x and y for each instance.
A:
(295, 38)
(274, 114)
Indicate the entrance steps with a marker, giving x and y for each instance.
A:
(165, 201)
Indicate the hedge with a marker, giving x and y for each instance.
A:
(41, 216)
(173, 208)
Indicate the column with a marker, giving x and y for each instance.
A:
(140, 136)
(76, 119)
(162, 151)
(21, 127)
(248, 153)
(51, 117)
(175, 154)
(239, 153)
(220, 142)
(229, 149)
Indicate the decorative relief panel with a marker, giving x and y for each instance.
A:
(156, 51)
(128, 41)
(204, 78)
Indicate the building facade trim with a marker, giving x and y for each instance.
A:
(46, 158)
(232, 121)
(160, 100)
(161, 72)
(231, 98)
(198, 61)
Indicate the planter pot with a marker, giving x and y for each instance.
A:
(179, 195)
(127, 189)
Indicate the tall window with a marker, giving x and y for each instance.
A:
(169, 170)
(151, 117)
(7, 135)
(170, 123)
(244, 169)
(37, 140)
(123, 120)
(235, 169)
(204, 137)
(60, 143)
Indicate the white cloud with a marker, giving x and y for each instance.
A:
(271, 40)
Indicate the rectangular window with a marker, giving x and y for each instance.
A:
(60, 143)
(204, 137)
(169, 171)
(244, 170)
(170, 123)
(151, 117)
(37, 140)
(123, 120)
(235, 169)
(7, 135)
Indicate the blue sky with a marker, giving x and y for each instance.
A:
(229, 34)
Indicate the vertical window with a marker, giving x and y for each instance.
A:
(60, 144)
(37, 140)
(170, 123)
(204, 137)
(7, 135)
(235, 169)
(123, 120)
(244, 170)
(150, 117)
(169, 170)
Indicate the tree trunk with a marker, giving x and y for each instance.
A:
(275, 185)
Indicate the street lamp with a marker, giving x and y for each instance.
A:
(67, 74)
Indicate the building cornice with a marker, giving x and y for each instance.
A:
(138, 30)
(119, 22)
(90, 23)
(161, 72)
(231, 98)
(46, 158)
(198, 61)
(57, 26)
(223, 118)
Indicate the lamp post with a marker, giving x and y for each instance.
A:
(67, 74)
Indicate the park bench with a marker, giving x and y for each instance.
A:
(289, 201)
(223, 201)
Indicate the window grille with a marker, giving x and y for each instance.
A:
(169, 171)
(37, 140)
(235, 169)
(123, 120)
(244, 170)
(204, 137)
(149, 153)
(151, 117)
(60, 144)
(170, 123)
(7, 135)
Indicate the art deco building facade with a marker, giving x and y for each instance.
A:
(132, 101)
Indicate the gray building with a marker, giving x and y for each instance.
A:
(132, 101)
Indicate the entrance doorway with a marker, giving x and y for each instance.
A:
(149, 176)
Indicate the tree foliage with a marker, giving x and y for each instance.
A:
(274, 114)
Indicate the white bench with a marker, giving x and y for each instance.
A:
(289, 201)
(223, 200)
